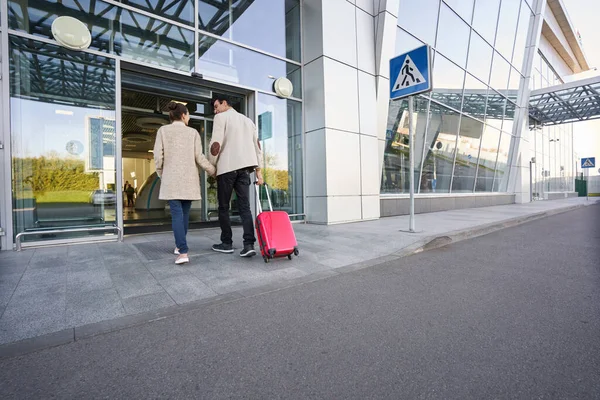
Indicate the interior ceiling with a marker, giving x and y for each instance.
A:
(141, 115)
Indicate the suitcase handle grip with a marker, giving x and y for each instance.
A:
(258, 207)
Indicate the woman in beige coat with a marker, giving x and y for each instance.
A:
(177, 155)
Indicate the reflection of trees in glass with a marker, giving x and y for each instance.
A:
(275, 178)
(51, 173)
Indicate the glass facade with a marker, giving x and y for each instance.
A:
(465, 125)
(554, 169)
(64, 161)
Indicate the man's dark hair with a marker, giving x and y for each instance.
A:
(221, 98)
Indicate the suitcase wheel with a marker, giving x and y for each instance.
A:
(266, 259)
(289, 256)
(296, 252)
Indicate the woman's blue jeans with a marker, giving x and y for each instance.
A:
(180, 217)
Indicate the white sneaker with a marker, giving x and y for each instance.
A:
(182, 260)
(176, 251)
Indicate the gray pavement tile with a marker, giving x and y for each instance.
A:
(125, 266)
(44, 276)
(52, 260)
(148, 302)
(90, 307)
(186, 288)
(164, 269)
(14, 259)
(38, 316)
(86, 281)
(136, 284)
(224, 274)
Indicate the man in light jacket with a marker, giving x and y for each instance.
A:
(235, 151)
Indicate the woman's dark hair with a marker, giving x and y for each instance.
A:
(176, 111)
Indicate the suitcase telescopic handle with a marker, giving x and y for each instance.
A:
(258, 207)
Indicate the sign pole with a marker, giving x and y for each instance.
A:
(411, 148)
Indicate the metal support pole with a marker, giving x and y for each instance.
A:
(587, 184)
(411, 148)
(530, 182)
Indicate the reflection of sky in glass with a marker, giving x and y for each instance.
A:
(453, 36)
(49, 132)
(235, 64)
(419, 18)
(264, 25)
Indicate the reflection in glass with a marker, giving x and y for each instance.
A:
(280, 134)
(63, 137)
(502, 169)
(405, 42)
(452, 36)
(475, 97)
(231, 63)
(114, 30)
(278, 31)
(509, 116)
(464, 8)
(496, 105)
(480, 58)
(485, 18)
(507, 27)
(419, 18)
(513, 84)
(396, 168)
(440, 143)
(176, 10)
(500, 73)
(466, 155)
(525, 18)
(448, 82)
(487, 159)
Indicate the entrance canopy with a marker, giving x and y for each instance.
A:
(568, 102)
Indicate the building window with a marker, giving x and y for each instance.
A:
(62, 114)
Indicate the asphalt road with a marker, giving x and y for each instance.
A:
(511, 315)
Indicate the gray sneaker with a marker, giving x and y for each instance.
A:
(223, 248)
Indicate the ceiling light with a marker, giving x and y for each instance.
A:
(180, 102)
(150, 151)
(63, 112)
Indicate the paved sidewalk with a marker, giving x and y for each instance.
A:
(69, 291)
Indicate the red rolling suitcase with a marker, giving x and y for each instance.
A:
(276, 236)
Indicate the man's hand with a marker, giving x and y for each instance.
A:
(259, 177)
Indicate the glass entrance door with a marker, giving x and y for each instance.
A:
(144, 110)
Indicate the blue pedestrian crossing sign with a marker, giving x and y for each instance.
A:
(588, 162)
(410, 73)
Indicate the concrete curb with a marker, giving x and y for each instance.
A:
(70, 335)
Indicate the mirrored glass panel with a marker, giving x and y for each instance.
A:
(496, 104)
(480, 58)
(63, 139)
(485, 18)
(271, 26)
(176, 10)
(440, 144)
(509, 117)
(464, 8)
(453, 36)
(228, 62)
(396, 167)
(525, 19)
(466, 155)
(114, 30)
(487, 159)
(502, 169)
(280, 135)
(419, 18)
(507, 27)
(500, 73)
(475, 97)
(448, 82)
(405, 42)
